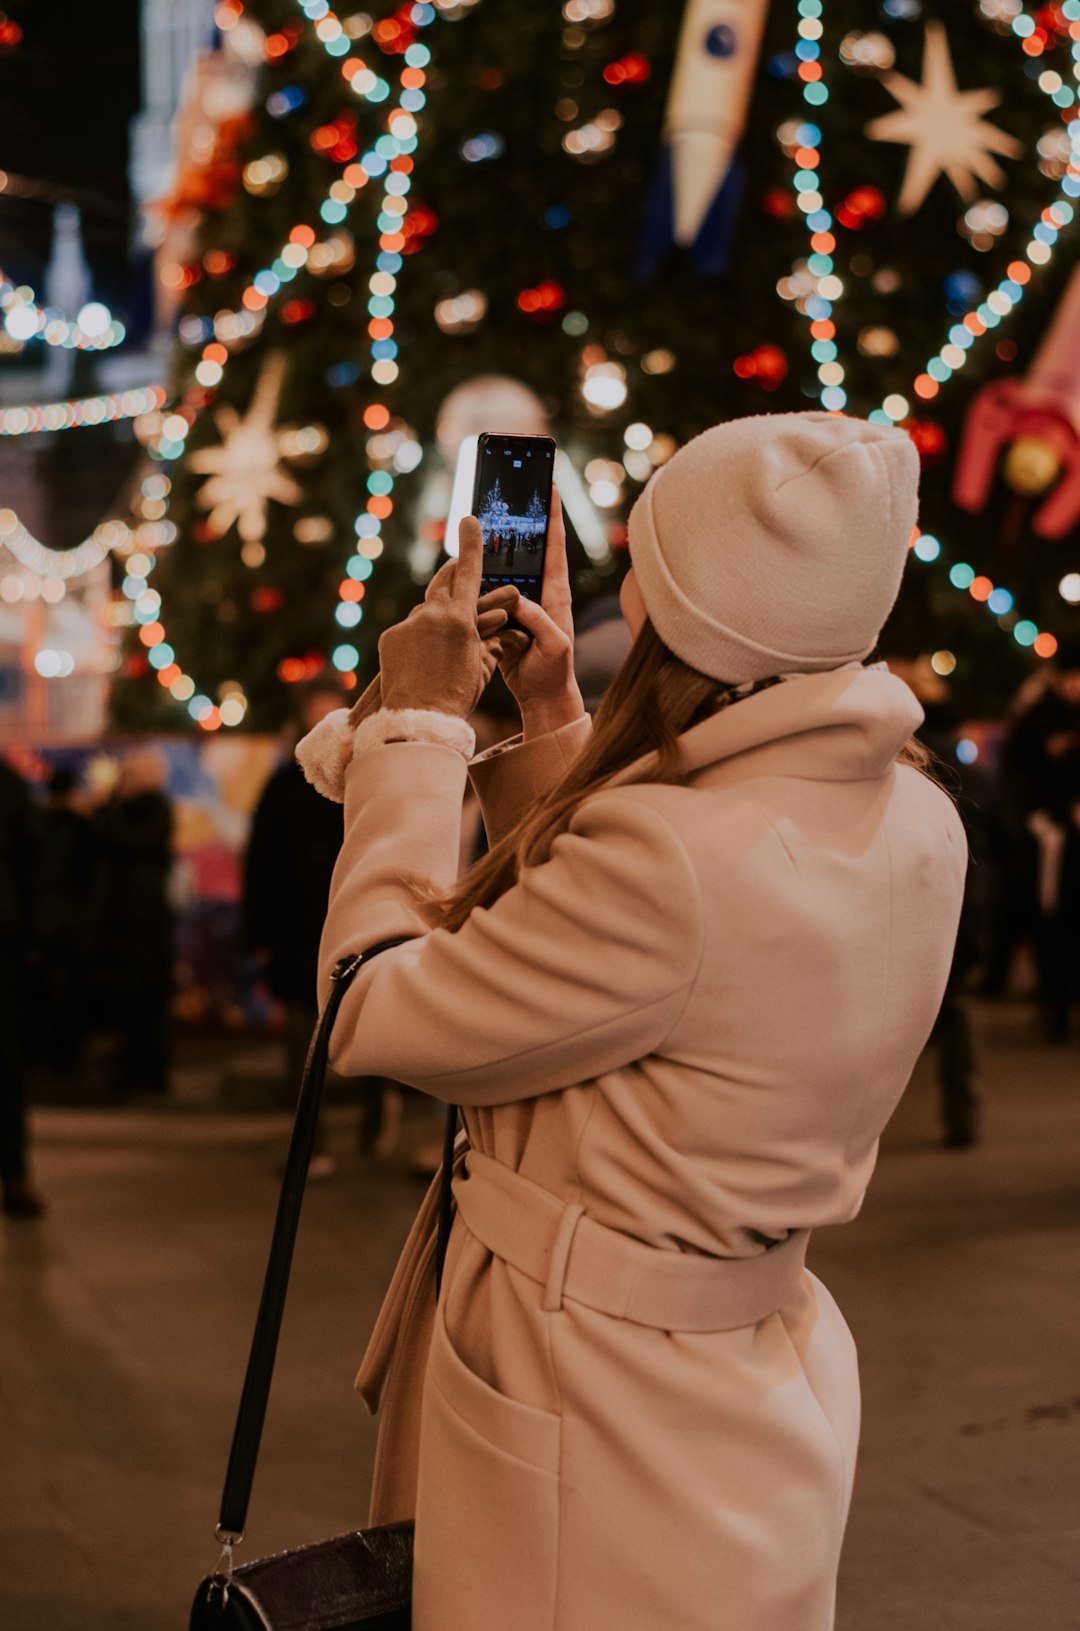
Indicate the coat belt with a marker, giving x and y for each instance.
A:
(572, 1256)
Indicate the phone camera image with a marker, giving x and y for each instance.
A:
(512, 504)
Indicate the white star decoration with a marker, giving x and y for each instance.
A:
(943, 127)
(245, 469)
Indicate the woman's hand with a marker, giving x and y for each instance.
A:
(540, 672)
(444, 653)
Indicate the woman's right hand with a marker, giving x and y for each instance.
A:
(539, 672)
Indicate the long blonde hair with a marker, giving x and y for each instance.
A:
(653, 699)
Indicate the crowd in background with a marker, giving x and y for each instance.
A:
(86, 924)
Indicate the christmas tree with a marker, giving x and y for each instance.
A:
(652, 218)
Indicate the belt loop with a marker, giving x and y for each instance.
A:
(560, 1257)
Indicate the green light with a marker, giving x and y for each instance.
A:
(962, 576)
(816, 94)
(1025, 633)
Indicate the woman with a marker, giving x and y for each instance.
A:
(678, 1002)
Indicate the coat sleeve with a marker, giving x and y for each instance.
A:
(583, 966)
(509, 779)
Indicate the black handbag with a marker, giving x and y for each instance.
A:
(354, 1582)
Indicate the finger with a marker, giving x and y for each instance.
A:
(556, 586)
(489, 623)
(551, 640)
(514, 642)
(465, 587)
(442, 583)
(505, 597)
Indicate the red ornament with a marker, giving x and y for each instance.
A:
(418, 225)
(337, 140)
(861, 207)
(10, 34)
(267, 598)
(931, 442)
(542, 302)
(395, 34)
(298, 311)
(766, 365)
(779, 204)
(634, 69)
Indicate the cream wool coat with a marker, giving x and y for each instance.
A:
(692, 1023)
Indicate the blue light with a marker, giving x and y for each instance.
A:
(927, 547)
(413, 101)
(389, 261)
(359, 568)
(961, 576)
(348, 614)
(340, 374)
(345, 658)
(1000, 602)
(384, 348)
(808, 136)
(332, 211)
(967, 751)
(266, 283)
(556, 217)
(373, 164)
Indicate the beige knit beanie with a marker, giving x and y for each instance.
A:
(775, 544)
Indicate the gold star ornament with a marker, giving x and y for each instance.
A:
(943, 127)
(245, 469)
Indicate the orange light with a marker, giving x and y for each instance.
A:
(822, 328)
(915, 536)
(1032, 46)
(351, 67)
(823, 243)
(402, 164)
(392, 242)
(276, 45)
(348, 679)
(351, 590)
(253, 299)
(974, 323)
(215, 352)
(152, 634)
(291, 670)
(981, 589)
(355, 175)
(1019, 271)
(376, 417)
(380, 328)
(926, 387)
(809, 71)
(807, 158)
(413, 78)
(380, 506)
(1045, 645)
(211, 721)
(304, 236)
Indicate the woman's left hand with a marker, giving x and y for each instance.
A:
(443, 654)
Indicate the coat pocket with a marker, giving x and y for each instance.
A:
(487, 1510)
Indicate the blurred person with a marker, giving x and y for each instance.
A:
(18, 1197)
(65, 888)
(1041, 772)
(678, 1001)
(293, 845)
(132, 924)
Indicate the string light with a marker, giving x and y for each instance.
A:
(94, 329)
(390, 161)
(1054, 220)
(83, 411)
(996, 598)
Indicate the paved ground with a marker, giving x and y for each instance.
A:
(124, 1318)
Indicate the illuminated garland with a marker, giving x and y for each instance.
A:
(95, 328)
(87, 410)
(824, 288)
(389, 158)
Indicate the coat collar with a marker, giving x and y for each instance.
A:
(845, 725)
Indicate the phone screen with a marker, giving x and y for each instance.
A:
(512, 502)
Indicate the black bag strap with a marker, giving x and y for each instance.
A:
(260, 1368)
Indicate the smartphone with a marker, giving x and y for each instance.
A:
(512, 502)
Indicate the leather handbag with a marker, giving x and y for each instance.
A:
(354, 1582)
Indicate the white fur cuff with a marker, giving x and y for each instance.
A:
(416, 725)
(325, 753)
